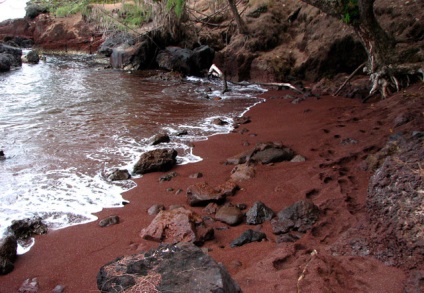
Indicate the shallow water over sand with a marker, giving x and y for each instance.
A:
(67, 122)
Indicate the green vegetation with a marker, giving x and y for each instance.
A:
(71, 8)
(350, 12)
(177, 5)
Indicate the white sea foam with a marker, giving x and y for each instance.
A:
(66, 195)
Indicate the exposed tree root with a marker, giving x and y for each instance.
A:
(390, 78)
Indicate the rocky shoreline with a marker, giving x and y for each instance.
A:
(340, 245)
(309, 193)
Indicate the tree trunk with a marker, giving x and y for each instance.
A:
(385, 68)
(379, 45)
(240, 23)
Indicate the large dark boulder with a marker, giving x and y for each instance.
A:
(5, 62)
(9, 57)
(169, 268)
(160, 160)
(185, 60)
(8, 246)
(202, 58)
(300, 216)
(23, 229)
(32, 57)
(259, 213)
(33, 10)
(175, 59)
(115, 40)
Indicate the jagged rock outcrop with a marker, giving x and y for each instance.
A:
(395, 201)
(169, 268)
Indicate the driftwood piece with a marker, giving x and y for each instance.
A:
(216, 72)
(349, 78)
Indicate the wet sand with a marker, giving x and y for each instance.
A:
(334, 134)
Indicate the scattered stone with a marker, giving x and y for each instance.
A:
(288, 237)
(229, 188)
(168, 176)
(264, 153)
(8, 246)
(402, 119)
(178, 225)
(58, 289)
(300, 217)
(205, 96)
(118, 175)
(29, 286)
(241, 206)
(211, 208)
(298, 159)
(219, 122)
(175, 206)
(258, 214)
(179, 190)
(229, 214)
(24, 229)
(243, 172)
(202, 194)
(160, 160)
(182, 133)
(31, 57)
(2, 156)
(271, 153)
(109, 221)
(155, 209)
(170, 189)
(241, 120)
(196, 175)
(248, 236)
(348, 141)
(169, 268)
(161, 138)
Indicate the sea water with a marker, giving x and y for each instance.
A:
(67, 122)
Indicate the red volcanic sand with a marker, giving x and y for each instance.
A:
(335, 135)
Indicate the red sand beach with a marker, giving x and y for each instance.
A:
(322, 130)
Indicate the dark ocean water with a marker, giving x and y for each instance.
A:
(67, 122)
